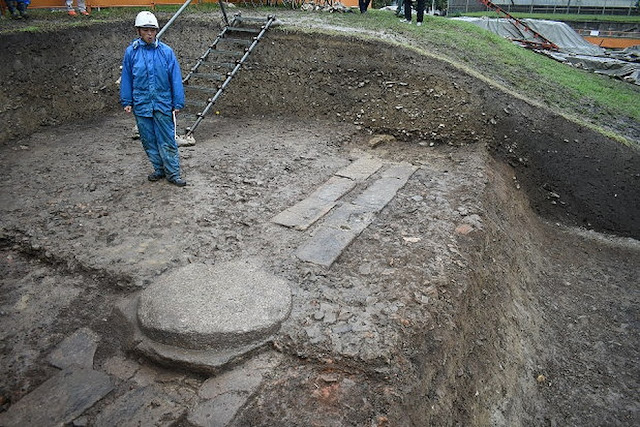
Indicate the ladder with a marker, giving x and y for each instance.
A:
(218, 65)
(543, 42)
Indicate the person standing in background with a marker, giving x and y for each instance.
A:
(82, 8)
(399, 10)
(18, 8)
(419, 11)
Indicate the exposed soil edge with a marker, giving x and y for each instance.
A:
(404, 43)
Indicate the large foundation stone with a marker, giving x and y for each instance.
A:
(205, 316)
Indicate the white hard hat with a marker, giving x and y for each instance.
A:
(146, 19)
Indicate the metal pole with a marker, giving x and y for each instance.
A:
(224, 12)
(173, 18)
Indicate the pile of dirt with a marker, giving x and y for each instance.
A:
(472, 298)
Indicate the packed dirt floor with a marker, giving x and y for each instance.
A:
(499, 287)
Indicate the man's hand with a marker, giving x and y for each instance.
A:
(127, 109)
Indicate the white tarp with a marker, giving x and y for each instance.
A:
(574, 49)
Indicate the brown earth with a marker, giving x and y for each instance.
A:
(499, 287)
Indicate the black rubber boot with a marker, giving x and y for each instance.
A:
(155, 176)
(177, 181)
(22, 8)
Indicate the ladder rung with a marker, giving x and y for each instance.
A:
(221, 64)
(227, 52)
(244, 30)
(200, 88)
(213, 76)
(238, 41)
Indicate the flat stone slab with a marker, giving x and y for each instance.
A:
(245, 377)
(202, 307)
(306, 212)
(345, 223)
(361, 169)
(144, 406)
(350, 217)
(224, 394)
(333, 189)
(349, 220)
(76, 350)
(325, 246)
(379, 194)
(59, 400)
(217, 412)
(402, 171)
(207, 361)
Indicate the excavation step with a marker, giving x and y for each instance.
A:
(204, 316)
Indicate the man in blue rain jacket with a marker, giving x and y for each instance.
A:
(151, 88)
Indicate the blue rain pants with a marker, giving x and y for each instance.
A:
(157, 134)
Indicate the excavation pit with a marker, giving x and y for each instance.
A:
(470, 298)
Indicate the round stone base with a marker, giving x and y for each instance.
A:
(207, 315)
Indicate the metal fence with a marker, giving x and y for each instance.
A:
(590, 7)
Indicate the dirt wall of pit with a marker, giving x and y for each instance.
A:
(571, 174)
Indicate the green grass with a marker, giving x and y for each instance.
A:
(29, 29)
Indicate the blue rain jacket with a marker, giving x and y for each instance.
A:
(151, 79)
